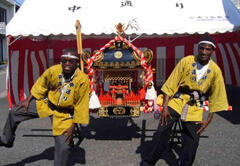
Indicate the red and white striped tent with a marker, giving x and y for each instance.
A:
(41, 29)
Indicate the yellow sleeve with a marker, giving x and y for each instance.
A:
(81, 108)
(160, 100)
(218, 96)
(40, 87)
(171, 85)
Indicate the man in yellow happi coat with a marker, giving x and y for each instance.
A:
(194, 79)
(61, 92)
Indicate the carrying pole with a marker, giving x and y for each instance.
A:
(79, 43)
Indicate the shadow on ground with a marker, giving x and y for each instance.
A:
(233, 116)
(77, 156)
(114, 129)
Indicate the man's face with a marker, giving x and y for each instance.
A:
(204, 52)
(69, 64)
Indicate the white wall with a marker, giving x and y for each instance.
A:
(9, 5)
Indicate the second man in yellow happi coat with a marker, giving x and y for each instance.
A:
(194, 79)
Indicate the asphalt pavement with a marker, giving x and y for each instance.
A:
(2, 82)
(122, 141)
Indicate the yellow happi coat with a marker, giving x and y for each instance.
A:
(75, 95)
(184, 74)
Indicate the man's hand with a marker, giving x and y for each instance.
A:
(164, 116)
(24, 103)
(69, 132)
(165, 113)
(204, 124)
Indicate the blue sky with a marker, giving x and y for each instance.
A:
(20, 2)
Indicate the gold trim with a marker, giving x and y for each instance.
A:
(135, 111)
(117, 65)
(86, 56)
(103, 112)
(125, 46)
(112, 47)
(136, 56)
(119, 110)
(118, 54)
(148, 55)
(100, 57)
(153, 70)
(132, 64)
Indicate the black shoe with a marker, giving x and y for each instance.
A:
(1, 143)
(5, 145)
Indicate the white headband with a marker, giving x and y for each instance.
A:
(69, 56)
(207, 42)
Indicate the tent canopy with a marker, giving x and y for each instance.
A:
(56, 19)
(152, 17)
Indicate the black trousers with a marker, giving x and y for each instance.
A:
(62, 149)
(161, 139)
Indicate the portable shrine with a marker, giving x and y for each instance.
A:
(119, 74)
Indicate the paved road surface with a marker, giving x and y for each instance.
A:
(121, 142)
(2, 82)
